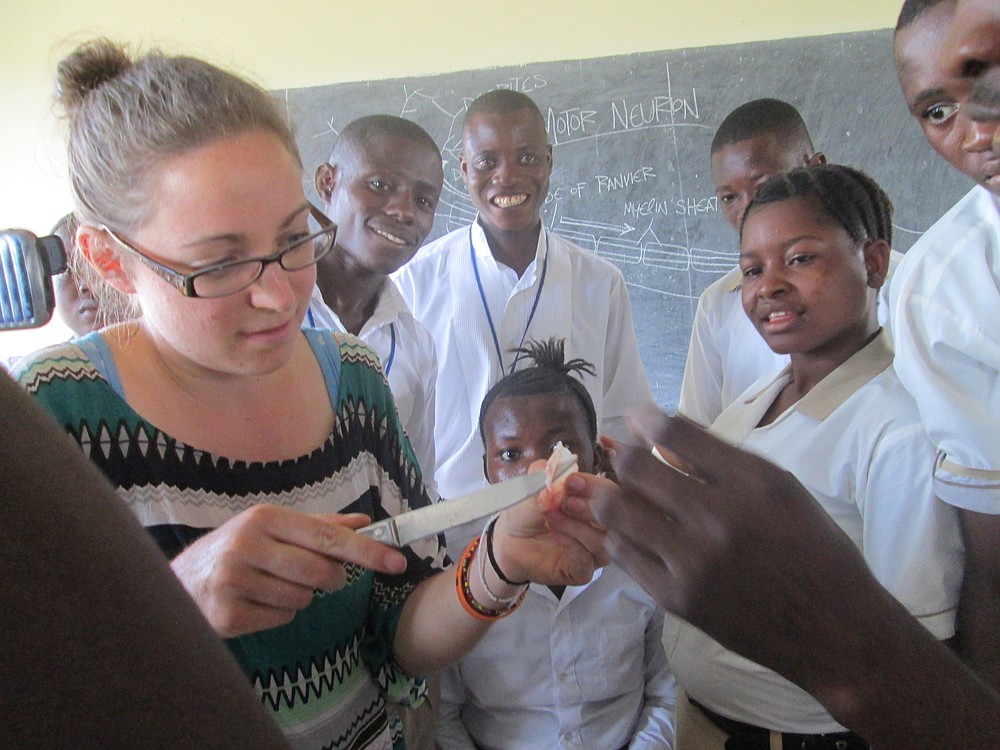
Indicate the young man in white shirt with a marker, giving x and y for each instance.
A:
(483, 290)
(381, 187)
(755, 141)
(944, 304)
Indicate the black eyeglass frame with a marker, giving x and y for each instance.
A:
(184, 282)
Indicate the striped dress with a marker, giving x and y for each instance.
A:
(326, 675)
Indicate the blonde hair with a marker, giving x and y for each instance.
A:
(126, 116)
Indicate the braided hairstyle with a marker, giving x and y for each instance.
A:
(849, 196)
(551, 373)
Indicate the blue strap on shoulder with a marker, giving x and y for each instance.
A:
(327, 352)
(97, 351)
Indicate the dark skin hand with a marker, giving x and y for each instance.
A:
(741, 550)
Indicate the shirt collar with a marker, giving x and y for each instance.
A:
(833, 390)
(482, 249)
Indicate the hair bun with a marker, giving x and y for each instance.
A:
(86, 69)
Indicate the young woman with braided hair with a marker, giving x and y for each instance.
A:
(814, 253)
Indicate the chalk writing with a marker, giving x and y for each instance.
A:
(660, 110)
(635, 209)
(526, 84)
(610, 184)
(695, 206)
(569, 122)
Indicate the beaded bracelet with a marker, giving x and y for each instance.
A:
(468, 601)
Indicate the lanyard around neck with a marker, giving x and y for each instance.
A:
(486, 307)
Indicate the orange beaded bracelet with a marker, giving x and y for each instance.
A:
(469, 603)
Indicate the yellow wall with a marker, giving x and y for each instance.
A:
(294, 43)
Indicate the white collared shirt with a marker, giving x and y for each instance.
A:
(585, 671)
(855, 441)
(945, 325)
(414, 366)
(726, 355)
(583, 299)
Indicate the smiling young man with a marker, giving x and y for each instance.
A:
(485, 289)
(381, 187)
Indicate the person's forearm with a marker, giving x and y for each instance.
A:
(434, 629)
(883, 675)
(979, 607)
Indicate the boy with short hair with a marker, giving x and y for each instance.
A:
(484, 289)
(944, 304)
(582, 666)
(381, 187)
(755, 141)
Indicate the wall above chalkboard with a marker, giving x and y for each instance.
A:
(631, 137)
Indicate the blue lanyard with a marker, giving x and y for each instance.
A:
(486, 307)
(392, 348)
(392, 340)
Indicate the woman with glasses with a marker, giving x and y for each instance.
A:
(252, 450)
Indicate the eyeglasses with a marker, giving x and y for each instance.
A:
(232, 276)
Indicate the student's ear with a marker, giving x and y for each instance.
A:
(876, 262)
(486, 472)
(816, 160)
(104, 254)
(548, 155)
(602, 463)
(325, 180)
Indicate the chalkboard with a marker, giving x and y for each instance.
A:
(631, 136)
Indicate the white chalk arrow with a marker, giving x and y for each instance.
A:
(622, 229)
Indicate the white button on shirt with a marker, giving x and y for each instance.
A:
(584, 300)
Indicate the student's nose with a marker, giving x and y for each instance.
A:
(740, 208)
(979, 136)
(504, 173)
(401, 206)
(771, 281)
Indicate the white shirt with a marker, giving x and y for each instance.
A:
(585, 671)
(727, 354)
(583, 299)
(392, 331)
(855, 441)
(945, 325)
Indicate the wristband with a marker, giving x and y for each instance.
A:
(493, 561)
